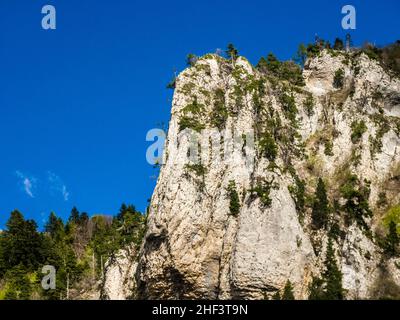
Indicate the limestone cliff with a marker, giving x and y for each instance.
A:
(342, 125)
(118, 282)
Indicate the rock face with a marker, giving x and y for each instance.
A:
(119, 276)
(199, 246)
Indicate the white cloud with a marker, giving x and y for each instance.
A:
(28, 183)
(65, 193)
(56, 184)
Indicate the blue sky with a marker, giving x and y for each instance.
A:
(76, 102)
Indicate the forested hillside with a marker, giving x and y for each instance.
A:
(78, 249)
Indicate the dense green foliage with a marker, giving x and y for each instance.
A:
(21, 244)
(392, 240)
(338, 44)
(393, 214)
(268, 147)
(231, 52)
(382, 200)
(301, 55)
(197, 168)
(191, 59)
(356, 205)
(338, 79)
(308, 105)
(288, 291)
(234, 202)
(388, 56)
(329, 287)
(262, 191)
(328, 146)
(171, 84)
(332, 275)
(358, 128)
(191, 117)
(320, 209)
(78, 249)
(316, 289)
(288, 103)
(220, 113)
(382, 127)
(298, 193)
(276, 296)
(313, 50)
(287, 70)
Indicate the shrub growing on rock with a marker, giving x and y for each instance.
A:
(234, 202)
(338, 79)
(288, 291)
(320, 210)
(358, 128)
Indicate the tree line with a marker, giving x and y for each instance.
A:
(78, 249)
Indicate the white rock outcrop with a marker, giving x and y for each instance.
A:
(119, 276)
(196, 248)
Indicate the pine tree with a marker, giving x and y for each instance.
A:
(21, 243)
(327, 45)
(19, 286)
(234, 202)
(276, 296)
(191, 59)
(338, 45)
(172, 84)
(74, 216)
(69, 248)
(392, 240)
(54, 226)
(273, 64)
(301, 55)
(316, 290)
(232, 52)
(122, 211)
(338, 79)
(332, 276)
(320, 210)
(104, 240)
(132, 226)
(268, 146)
(356, 205)
(288, 291)
(83, 218)
(312, 50)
